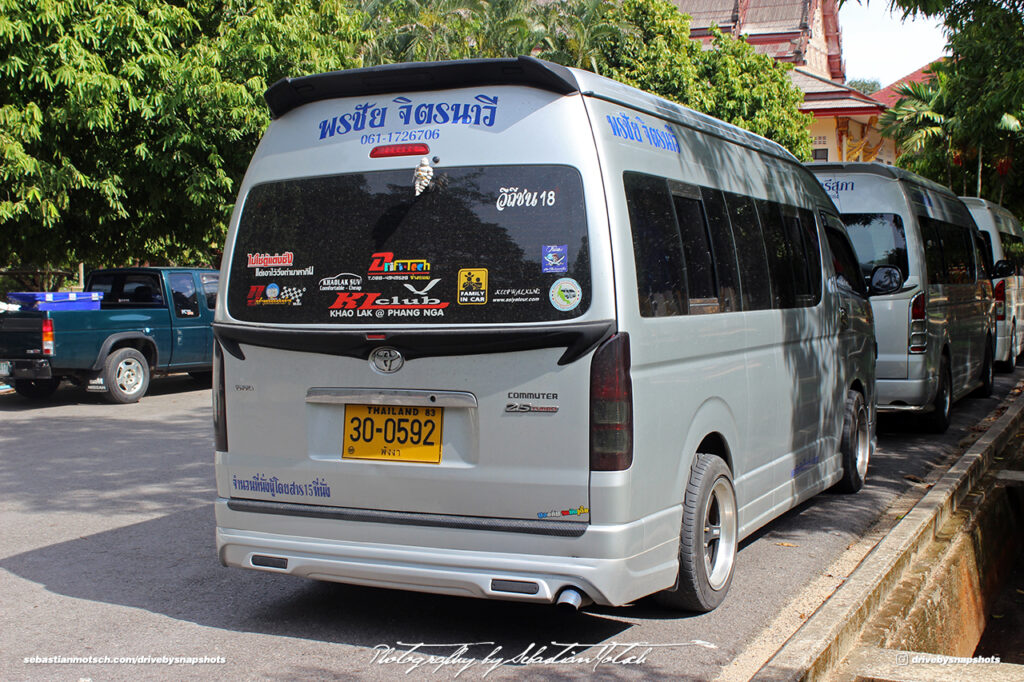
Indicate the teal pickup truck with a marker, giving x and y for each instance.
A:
(151, 320)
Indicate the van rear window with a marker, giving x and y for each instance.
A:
(497, 244)
(878, 239)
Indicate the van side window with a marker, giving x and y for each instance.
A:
(983, 252)
(1013, 249)
(955, 248)
(933, 256)
(657, 248)
(782, 257)
(700, 276)
(724, 249)
(807, 230)
(844, 262)
(757, 289)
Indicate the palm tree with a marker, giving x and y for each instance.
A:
(578, 30)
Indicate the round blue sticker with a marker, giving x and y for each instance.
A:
(565, 294)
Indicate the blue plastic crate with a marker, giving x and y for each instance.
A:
(56, 300)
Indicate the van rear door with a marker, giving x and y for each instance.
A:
(416, 336)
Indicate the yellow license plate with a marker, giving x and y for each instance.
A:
(393, 433)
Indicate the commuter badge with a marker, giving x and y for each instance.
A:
(473, 286)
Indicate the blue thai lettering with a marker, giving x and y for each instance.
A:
(441, 113)
(327, 127)
(490, 108)
(377, 117)
(461, 114)
(424, 113)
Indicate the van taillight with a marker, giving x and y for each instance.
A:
(918, 325)
(1000, 296)
(47, 337)
(387, 150)
(220, 415)
(611, 406)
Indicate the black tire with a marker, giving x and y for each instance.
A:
(938, 420)
(708, 539)
(36, 389)
(126, 375)
(855, 446)
(988, 377)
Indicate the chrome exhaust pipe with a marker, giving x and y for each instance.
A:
(571, 599)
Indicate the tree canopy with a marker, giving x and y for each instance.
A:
(126, 125)
(976, 101)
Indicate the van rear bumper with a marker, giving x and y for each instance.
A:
(479, 572)
(905, 395)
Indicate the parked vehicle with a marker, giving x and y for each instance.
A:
(936, 335)
(540, 336)
(1004, 240)
(149, 320)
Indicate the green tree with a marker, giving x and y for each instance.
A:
(124, 127)
(729, 81)
(868, 86)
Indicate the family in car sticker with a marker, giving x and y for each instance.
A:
(472, 286)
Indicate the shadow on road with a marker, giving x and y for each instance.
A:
(69, 394)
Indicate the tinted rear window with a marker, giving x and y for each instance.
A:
(500, 244)
(878, 239)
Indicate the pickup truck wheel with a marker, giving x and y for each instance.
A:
(126, 375)
(36, 389)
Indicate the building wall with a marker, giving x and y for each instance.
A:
(817, 47)
(825, 136)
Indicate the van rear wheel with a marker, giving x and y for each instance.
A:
(988, 377)
(855, 446)
(708, 539)
(938, 420)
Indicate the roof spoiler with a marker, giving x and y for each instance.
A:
(289, 93)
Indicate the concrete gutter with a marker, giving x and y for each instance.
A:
(833, 631)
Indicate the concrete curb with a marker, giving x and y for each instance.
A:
(831, 632)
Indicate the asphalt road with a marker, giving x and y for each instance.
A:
(107, 551)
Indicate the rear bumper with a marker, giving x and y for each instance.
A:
(613, 565)
(905, 395)
(28, 369)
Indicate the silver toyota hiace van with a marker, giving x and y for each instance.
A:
(936, 334)
(499, 328)
(1002, 235)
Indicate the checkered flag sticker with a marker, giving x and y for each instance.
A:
(293, 293)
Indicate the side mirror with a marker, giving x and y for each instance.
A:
(885, 279)
(1003, 268)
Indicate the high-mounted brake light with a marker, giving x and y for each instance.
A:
(47, 337)
(383, 151)
(918, 341)
(611, 406)
(1000, 296)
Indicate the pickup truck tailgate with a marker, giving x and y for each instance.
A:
(21, 335)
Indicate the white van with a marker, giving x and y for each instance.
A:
(499, 328)
(1002, 235)
(936, 334)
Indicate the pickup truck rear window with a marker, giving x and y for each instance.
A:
(127, 289)
(497, 244)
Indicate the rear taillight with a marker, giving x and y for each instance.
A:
(47, 337)
(220, 415)
(1000, 296)
(918, 341)
(611, 406)
(389, 150)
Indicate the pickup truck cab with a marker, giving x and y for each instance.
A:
(151, 320)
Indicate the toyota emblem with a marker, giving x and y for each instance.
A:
(386, 360)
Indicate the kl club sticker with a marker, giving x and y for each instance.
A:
(473, 286)
(565, 294)
(555, 258)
